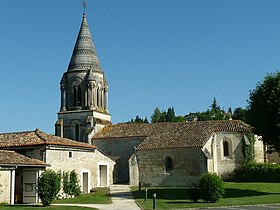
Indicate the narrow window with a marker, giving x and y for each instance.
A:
(75, 96)
(168, 164)
(79, 96)
(97, 97)
(70, 154)
(77, 93)
(77, 132)
(226, 149)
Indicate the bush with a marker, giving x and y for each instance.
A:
(260, 172)
(71, 183)
(211, 187)
(48, 186)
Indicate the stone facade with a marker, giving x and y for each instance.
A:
(225, 162)
(120, 151)
(150, 167)
(82, 161)
(5, 177)
(187, 165)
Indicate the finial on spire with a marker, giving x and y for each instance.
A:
(84, 5)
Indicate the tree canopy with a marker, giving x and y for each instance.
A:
(264, 109)
(214, 113)
(163, 116)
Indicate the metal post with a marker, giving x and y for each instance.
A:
(139, 186)
(146, 194)
(155, 201)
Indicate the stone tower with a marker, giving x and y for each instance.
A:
(84, 92)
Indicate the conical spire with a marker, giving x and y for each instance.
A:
(84, 54)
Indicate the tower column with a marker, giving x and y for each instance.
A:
(102, 98)
(106, 98)
(63, 98)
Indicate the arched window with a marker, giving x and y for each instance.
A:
(77, 132)
(168, 164)
(77, 95)
(226, 148)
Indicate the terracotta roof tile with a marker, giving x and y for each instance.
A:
(172, 135)
(8, 157)
(37, 137)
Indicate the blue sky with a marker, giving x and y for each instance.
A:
(155, 53)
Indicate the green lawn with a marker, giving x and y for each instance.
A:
(34, 207)
(235, 194)
(98, 196)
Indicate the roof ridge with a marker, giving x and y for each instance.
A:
(16, 132)
(40, 136)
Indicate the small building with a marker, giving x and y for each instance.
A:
(175, 154)
(14, 189)
(52, 152)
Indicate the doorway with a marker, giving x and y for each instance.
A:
(103, 175)
(30, 177)
(85, 188)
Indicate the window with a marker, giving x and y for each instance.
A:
(226, 149)
(77, 95)
(77, 132)
(168, 164)
(70, 154)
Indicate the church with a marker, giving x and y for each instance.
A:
(102, 153)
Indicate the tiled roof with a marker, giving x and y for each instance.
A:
(35, 138)
(8, 157)
(172, 135)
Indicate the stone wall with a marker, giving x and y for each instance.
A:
(225, 164)
(120, 151)
(82, 161)
(5, 177)
(188, 165)
(133, 170)
(259, 150)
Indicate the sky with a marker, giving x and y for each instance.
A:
(155, 53)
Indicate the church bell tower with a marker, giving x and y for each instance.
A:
(84, 92)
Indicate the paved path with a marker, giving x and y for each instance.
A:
(122, 200)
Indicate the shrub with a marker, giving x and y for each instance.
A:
(65, 182)
(71, 183)
(48, 186)
(211, 187)
(260, 172)
(74, 184)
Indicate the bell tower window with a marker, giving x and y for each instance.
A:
(77, 95)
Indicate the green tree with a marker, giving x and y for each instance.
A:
(162, 116)
(180, 119)
(170, 115)
(138, 120)
(49, 185)
(214, 106)
(239, 114)
(74, 184)
(264, 109)
(156, 115)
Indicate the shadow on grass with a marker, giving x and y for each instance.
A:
(237, 193)
(16, 206)
(167, 193)
(182, 194)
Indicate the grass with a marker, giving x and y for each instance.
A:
(33, 207)
(98, 196)
(235, 194)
